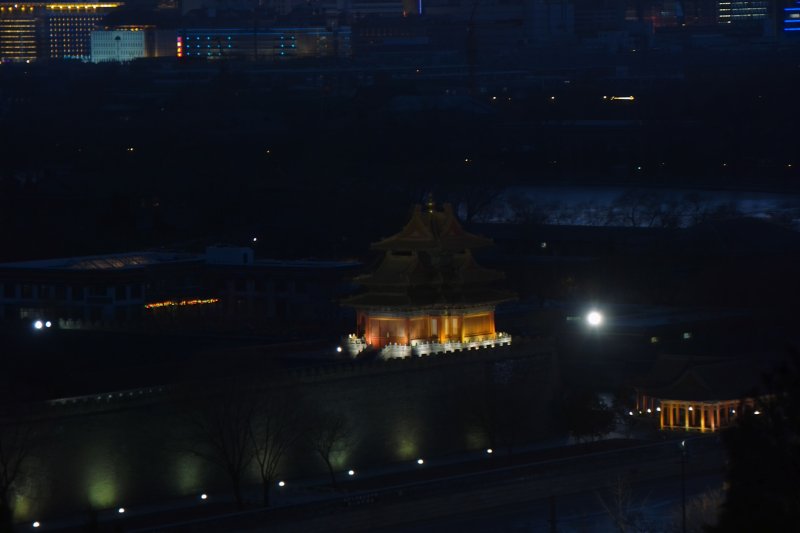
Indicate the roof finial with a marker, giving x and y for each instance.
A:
(431, 203)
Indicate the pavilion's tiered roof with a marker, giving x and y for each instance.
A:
(429, 264)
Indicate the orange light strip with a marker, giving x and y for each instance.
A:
(82, 6)
(172, 303)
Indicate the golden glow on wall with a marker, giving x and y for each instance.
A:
(180, 303)
(482, 324)
(381, 331)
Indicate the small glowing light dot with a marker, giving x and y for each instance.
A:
(121, 510)
(281, 483)
(36, 524)
(489, 451)
(756, 412)
(658, 409)
(48, 324)
(38, 324)
(733, 411)
(649, 410)
(204, 496)
(420, 461)
(339, 349)
(351, 472)
(630, 413)
(255, 239)
(691, 408)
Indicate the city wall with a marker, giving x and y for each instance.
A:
(126, 447)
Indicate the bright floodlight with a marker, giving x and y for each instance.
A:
(38, 324)
(594, 318)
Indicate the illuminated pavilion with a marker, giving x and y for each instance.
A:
(702, 394)
(428, 295)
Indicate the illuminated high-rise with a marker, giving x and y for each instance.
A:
(69, 28)
(21, 27)
(36, 30)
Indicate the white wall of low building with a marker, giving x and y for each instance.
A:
(118, 45)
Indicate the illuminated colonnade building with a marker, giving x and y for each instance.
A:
(36, 30)
(428, 295)
(696, 393)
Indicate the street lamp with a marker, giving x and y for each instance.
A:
(683, 482)
(594, 318)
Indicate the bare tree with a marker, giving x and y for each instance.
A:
(273, 430)
(702, 512)
(18, 439)
(219, 430)
(329, 435)
(476, 200)
(624, 508)
(584, 415)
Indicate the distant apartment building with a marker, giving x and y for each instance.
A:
(272, 44)
(38, 30)
(126, 43)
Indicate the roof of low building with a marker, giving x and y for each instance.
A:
(696, 378)
(121, 261)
